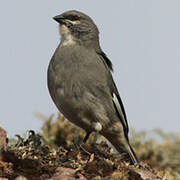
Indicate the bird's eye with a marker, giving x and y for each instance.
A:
(73, 18)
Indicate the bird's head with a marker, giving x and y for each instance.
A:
(77, 26)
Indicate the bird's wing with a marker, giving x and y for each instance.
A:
(115, 94)
(121, 111)
(105, 59)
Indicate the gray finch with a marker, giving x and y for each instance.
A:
(81, 84)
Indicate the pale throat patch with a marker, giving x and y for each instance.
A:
(66, 37)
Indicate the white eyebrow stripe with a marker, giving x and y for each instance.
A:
(73, 22)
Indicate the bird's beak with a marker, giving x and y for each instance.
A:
(59, 19)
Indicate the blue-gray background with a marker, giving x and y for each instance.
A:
(142, 38)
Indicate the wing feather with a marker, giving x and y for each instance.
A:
(114, 92)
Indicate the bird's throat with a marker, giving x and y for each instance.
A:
(66, 37)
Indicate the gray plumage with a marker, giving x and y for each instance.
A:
(81, 85)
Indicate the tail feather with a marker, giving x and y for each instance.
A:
(122, 145)
(134, 159)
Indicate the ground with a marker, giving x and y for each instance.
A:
(57, 152)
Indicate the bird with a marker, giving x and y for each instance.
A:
(81, 85)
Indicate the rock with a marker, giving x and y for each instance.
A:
(140, 174)
(21, 178)
(66, 174)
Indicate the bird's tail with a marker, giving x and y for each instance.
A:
(122, 145)
(132, 154)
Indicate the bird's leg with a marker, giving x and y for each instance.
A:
(86, 137)
(95, 138)
(84, 141)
